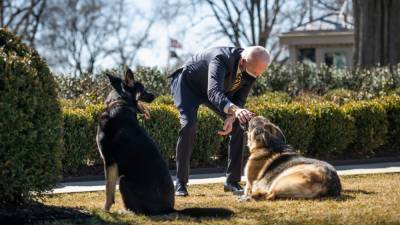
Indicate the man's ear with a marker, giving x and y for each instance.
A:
(242, 62)
(129, 77)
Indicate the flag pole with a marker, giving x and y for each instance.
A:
(168, 38)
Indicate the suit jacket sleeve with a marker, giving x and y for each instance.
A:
(215, 88)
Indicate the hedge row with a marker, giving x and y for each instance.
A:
(359, 129)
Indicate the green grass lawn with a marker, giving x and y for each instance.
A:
(366, 199)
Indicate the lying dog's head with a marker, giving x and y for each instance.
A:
(128, 90)
(264, 134)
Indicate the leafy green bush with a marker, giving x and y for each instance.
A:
(80, 135)
(334, 131)
(295, 120)
(30, 123)
(87, 88)
(164, 99)
(80, 127)
(153, 79)
(94, 88)
(319, 129)
(340, 96)
(163, 127)
(207, 142)
(276, 78)
(371, 127)
(391, 105)
(395, 92)
(269, 96)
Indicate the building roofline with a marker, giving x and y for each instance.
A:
(317, 33)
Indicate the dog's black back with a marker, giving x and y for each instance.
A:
(145, 183)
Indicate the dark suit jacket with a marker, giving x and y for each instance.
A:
(212, 74)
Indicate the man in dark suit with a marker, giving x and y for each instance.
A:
(220, 78)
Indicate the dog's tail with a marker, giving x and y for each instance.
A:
(206, 212)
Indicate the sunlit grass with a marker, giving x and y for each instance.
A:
(367, 199)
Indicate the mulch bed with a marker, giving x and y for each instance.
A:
(37, 213)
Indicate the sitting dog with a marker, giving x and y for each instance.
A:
(274, 170)
(130, 154)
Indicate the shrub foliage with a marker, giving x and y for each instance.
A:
(30, 123)
(322, 129)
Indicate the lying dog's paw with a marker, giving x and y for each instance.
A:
(124, 212)
(243, 198)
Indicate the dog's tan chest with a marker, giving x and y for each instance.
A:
(257, 164)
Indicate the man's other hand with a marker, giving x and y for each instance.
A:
(228, 124)
(243, 115)
(142, 108)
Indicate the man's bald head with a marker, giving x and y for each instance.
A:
(255, 59)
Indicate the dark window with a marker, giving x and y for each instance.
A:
(337, 59)
(307, 55)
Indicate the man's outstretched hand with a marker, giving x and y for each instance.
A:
(228, 124)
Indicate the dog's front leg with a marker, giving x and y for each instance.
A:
(111, 182)
(248, 187)
(247, 192)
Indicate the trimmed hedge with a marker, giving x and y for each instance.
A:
(80, 128)
(371, 127)
(319, 129)
(392, 107)
(164, 133)
(334, 130)
(30, 123)
(295, 120)
(208, 142)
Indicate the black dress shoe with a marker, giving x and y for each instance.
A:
(180, 189)
(233, 187)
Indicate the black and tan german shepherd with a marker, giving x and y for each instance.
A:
(274, 170)
(131, 156)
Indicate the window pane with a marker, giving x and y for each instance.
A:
(307, 55)
(337, 59)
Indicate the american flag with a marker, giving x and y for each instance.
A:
(173, 43)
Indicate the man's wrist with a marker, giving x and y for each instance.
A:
(227, 106)
(232, 109)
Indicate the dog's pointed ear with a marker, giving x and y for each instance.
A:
(276, 140)
(265, 138)
(115, 81)
(280, 135)
(129, 77)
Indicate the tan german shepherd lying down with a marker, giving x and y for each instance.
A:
(274, 170)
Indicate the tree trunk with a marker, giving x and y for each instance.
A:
(377, 32)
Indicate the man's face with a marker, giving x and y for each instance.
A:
(256, 67)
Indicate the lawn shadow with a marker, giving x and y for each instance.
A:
(39, 213)
(359, 191)
(197, 213)
(346, 195)
(342, 197)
